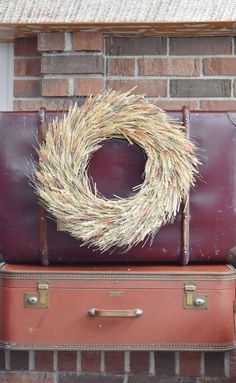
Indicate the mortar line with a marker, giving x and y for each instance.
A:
(102, 362)
(177, 363)
(183, 56)
(7, 360)
(78, 361)
(105, 60)
(55, 361)
(72, 53)
(71, 87)
(25, 78)
(202, 364)
(201, 68)
(127, 361)
(173, 77)
(136, 68)
(232, 87)
(168, 47)
(233, 46)
(151, 363)
(68, 42)
(227, 364)
(31, 360)
(68, 75)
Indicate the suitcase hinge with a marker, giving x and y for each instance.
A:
(38, 299)
(194, 301)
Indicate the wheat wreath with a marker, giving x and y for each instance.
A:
(63, 184)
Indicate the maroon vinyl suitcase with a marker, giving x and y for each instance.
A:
(116, 168)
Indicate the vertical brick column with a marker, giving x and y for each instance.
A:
(72, 65)
(27, 74)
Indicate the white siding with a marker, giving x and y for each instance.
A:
(6, 76)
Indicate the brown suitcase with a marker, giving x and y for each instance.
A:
(212, 202)
(117, 308)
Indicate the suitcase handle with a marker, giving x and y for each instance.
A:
(115, 313)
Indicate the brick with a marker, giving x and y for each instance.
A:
(114, 362)
(26, 377)
(27, 67)
(214, 364)
(152, 88)
(235, 88)
(67, 360)
(169, 379)
(169, 67)
(90, 361)
(55, 87)
(233, 361)
(25, 47)
(135, 46)
(221, 105)
(85, 378)
(2, 359)
(36, 104)
(200, 46)
(200, 88)
(72, 64)
(27, 88)
(139, 362)
(88, 86)
(121, 67)
(219, 66)
(51, 41)
(177, 379)
(176, 104)
(234, 42)
(19, 360)
(43, 360)
(28, 104)
(143, 379)
(190, 363)
(163, 379)
(165, 363)
(87, 41)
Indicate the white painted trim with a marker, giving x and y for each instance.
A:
(6, 76)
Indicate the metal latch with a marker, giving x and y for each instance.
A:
(38, 299)
(194, 301)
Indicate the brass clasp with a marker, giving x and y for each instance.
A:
(38, 299)
(194, 301)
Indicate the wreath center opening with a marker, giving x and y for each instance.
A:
(116, 168)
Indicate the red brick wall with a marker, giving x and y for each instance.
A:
(198, 71)
(59, 68)
(56, 70)
(122, 367)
